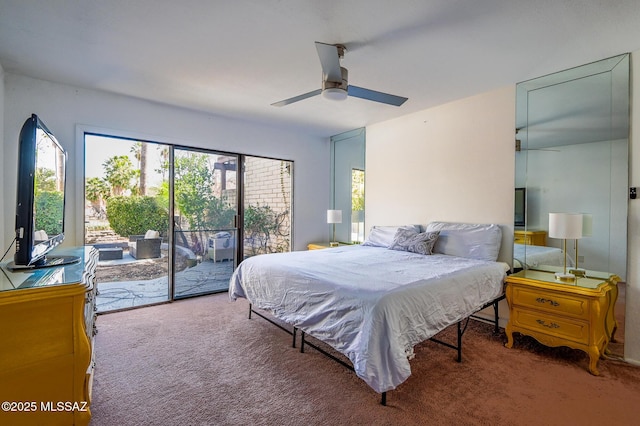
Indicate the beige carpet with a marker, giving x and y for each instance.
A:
(202, 362)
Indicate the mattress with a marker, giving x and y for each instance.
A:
(371, 304)
(529, 256)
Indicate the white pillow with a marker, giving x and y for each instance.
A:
(473, 241)
(151, 234)
(40, 235)
(382, 236)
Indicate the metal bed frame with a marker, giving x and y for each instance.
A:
(383, 400)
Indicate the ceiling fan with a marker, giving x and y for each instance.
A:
(335, 83)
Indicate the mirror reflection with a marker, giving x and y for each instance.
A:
(572, 131)
(49, 177)
(347, 184)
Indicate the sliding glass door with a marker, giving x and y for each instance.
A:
(205, 217)
(173, 222)
(126, 219)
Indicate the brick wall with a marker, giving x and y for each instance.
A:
(268, 183)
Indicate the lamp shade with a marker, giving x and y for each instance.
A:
(565, 225)
(334, 216)
(587, 225)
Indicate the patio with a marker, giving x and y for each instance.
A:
(204, 277)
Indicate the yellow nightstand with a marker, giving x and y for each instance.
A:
(532, 238)
(577, 314)
(323, 245)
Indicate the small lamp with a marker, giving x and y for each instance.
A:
(567, 226)
(333, 217)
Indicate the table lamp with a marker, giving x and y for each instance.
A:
(333, 217)
(566, 226)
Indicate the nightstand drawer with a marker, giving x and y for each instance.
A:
(522, 240)
(551, 302)
(533, 238)
(551, 326)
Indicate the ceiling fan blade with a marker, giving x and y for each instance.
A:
(372, 95)
(297, 98)
(330, 60)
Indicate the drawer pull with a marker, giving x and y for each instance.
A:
(551, 302)
(544, 324)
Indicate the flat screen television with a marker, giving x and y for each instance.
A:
(40, 198)
(520, 207)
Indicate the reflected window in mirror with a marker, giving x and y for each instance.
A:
(357, 205)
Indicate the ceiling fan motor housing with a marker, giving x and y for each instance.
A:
(336, 90)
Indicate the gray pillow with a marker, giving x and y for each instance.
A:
(415, 242)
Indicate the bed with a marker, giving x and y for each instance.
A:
(373, 302)
(527, 256)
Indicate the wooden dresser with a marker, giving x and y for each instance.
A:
(532, 238)
(577, 314)
(47, 326)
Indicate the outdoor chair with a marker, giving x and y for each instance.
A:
(145, 246)
(221, 247)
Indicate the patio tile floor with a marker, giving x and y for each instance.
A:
(206, 276)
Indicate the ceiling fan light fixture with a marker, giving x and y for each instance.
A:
(335, 93)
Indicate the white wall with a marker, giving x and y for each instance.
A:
(65, 109)
(454, 162)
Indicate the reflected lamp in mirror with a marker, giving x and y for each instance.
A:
(587, 231)
(333, 217)
(565, 226)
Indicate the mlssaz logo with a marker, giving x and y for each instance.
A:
(63, 406)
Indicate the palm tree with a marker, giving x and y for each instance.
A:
(164, 160)
(139, 150)
(119, 172)
(96, 190)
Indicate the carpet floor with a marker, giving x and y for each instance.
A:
(201, 361)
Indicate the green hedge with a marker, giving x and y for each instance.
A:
(135, 215)
(50, 209)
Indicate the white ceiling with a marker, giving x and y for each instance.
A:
(235, 58)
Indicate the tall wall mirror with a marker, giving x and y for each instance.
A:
(572, 145)
(347, 175)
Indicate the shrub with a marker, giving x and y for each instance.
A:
(50, 206)
(261, 224)
(135, 215)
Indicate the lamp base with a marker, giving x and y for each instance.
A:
(578, 272)
(565, 277)
(334, 244)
